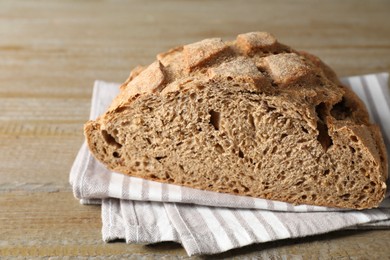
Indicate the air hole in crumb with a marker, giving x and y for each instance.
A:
(137, 164)
(219, 148)
(274, 149)
(354, 138)
(362, 198)
(159, 158)
(341, 111)
(116, 154)
(110, 139)
(323, 136)
(120, 109)
(313, 197)
(352, 149)
(252, 121)
(215, 119)
(153, 176)
(240, 154)
(262, 69)
(326, 172)
(229, 78)
(304, 130)
(235, 190)
(345, 196)
(372, 183)
(283, 136)
(258, 165)
(304, 197)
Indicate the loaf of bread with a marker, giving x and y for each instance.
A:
(249, 117)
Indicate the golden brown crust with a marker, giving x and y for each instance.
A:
(146, 81)
(287, 68)
(254, 42)
(200, 53)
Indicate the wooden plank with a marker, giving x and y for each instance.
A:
(48, 224)
(41, 158)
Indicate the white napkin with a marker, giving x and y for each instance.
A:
(142, 211)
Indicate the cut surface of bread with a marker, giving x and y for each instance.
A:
(249, 117)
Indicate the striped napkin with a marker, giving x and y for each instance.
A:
(142, 211)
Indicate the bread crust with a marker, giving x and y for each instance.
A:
(267, 121)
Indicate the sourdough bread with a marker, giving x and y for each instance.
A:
(249, 117)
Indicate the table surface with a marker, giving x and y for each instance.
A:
(52, 51)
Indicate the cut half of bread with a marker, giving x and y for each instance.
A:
(248, 117)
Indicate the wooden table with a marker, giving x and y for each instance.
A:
(52, 51)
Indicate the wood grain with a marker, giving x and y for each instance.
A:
(52, 51)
